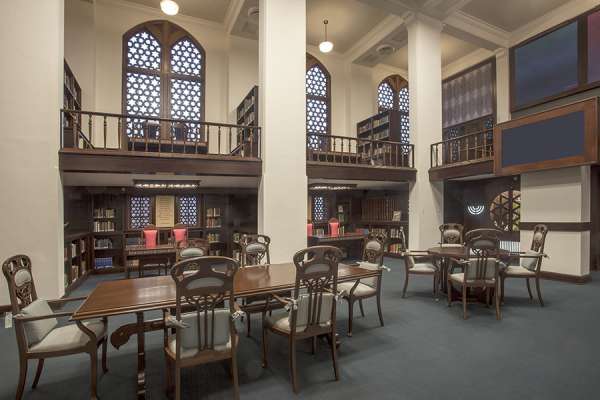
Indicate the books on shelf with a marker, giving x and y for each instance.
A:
(103, 262)
(213, 217)
(213, 237)
(380, 209)
(104, 226)
(319, 231)
(215, 252)
(104, 243)
(104, 213)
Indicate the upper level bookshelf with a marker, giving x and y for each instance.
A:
(247, 115)
(382, 126)
(71, 101)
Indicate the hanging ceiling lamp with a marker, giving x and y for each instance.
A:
(169, 7)
(325, 46)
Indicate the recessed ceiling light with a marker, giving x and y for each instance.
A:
(253, 12)
(169, 7)
(385, 50)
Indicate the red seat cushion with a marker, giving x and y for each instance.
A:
(334, 228)
(180, 234)
(150, 237)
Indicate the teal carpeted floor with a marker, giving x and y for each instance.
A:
(425, 351)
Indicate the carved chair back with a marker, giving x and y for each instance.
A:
(317, 275)
(179, 233)
(484, 233)
(192, 248)
(202, 285)
(150, 232)
(373, 249)
(21, 288)
(539, 238)
(451, 233)
(483, 266)
(255, 249)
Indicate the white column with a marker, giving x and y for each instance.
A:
(282, 68)
(426, 199)
(502, 86)
(31, 76)
(560, 195)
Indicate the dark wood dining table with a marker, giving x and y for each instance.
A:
(163, 254)
(136, 296)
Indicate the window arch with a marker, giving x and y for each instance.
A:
(163, 76)
(392, 94)
(318, 101)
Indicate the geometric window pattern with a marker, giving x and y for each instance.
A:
(505, 211)
(316, 82)
(188, 210)
(385, 96)
(403, 99)
(317, 106)
(185, 104)
(143, 51)
(142, 98)
(139, 212)
(320, 209)
(186, 59)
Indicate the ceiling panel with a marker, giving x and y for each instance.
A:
(212, 10)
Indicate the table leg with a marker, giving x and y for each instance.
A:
(444, 267)
(141, 371)
(140, 268)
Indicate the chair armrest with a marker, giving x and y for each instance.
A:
(65, 300)
(23, 318)
(280, 299)
(172, 322)
(415, 253)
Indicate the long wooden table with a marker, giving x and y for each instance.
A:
(135, 296)
(159, 254)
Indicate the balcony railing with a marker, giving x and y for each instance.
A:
(342, 150)
(477, 146)
(85, 130)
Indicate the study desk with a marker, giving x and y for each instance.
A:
(345, 240)
(135, 296)
(160, 254)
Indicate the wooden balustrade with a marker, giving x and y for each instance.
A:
(343, 150)
(477, 146)
(87, 130)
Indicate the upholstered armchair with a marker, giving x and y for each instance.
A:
(312, 308)
(197, 341)
(451, 234)
(150, 237)
(420, 262)
(179, 233)
(530, 264)
(479, 271)
(373, 250)
(191, 248)
(38, 333)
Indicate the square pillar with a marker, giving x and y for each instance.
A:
(426, 201)
(282, 207)
(502, 86)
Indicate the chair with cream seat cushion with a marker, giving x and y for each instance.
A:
(38, 333)
(530, 263)
(312, 307)
(451, 234)
(373, 251)
(479, 271)
(417, 262)
(208, 333)
(191, 248)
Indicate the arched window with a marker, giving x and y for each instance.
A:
(318, 101)
(163, 76)
(392, 94)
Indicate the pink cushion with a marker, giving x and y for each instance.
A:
(150, 238)
(309, 229)
(334, 228)
(179, 234)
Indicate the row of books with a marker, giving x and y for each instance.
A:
(104, 226)
(103, 262)
(104, 212)
(215, 252)
(381, 209)
(103, 243)
(74, 247)
(213, 212)
(213, 222)
(374, 123)
(213, 237)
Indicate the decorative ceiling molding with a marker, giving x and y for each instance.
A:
(232, 14)
(473, 30)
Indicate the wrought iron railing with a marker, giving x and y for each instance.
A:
(477, 146)
(87, 130)
(343, 150)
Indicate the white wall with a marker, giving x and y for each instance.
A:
(30, 100)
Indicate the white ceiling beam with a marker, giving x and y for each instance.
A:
(232, 14)
(397, 7)
(473, 30)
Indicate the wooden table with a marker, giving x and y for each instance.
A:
(135, 296)
(159, 254)
(338, 240)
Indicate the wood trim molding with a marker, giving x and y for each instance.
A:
(359, 172)
(556, 276)
(460, 170)
(558, 226)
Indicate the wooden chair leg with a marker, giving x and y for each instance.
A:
(234, 372)
(104, 358)
(497, 301)
(487, 297)
(177, 383)
(168, 375)
(247, 324)
(449, 292)
(350, 315)
(464, 301)
(405, 285)
(38, 373)
(264, 347)
(379, 308)
(293, 364)
(502, 278)
(94, 374)
(313, 346)
(22, 378)
(539, 292)
(362, 311)
(529, 289)
(334, 356)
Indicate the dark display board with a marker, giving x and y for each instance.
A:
(561, 137)
(546, 66)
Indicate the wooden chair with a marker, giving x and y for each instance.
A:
(150, 237)
(312, 313)
(419, 262)
(373, 251)
(192, 248)
(37, 331)
(179, 233)
(530, 265)
(202, 284)
(480, 271)
(451, 234)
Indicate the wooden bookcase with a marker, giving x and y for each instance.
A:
(383, 126)
(247, 115)
(76, 259)
(71, 101)
(107, 227)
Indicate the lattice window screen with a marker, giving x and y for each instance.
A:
(403, 99)
(186, 59)
(320, 208)
(188, 210)
(140, 211)
(505, 211)
(385, 96)
(142, 98)
(143, 51)
(317, 106)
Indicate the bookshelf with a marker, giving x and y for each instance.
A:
(386, 126)
(247, 115)
(71, 101)
(76, 259)
(107, 226)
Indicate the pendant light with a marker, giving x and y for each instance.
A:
(169, 7)
(326, 46)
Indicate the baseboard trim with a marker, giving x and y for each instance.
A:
(556, 276)
(5, 308)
